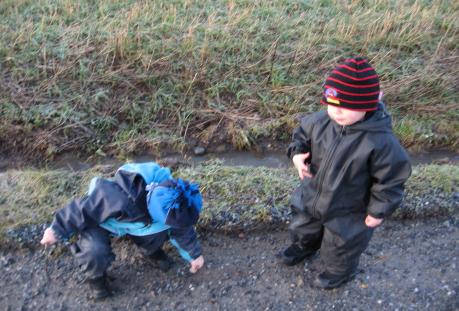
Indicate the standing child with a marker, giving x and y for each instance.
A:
(142, 201)
(352, 170)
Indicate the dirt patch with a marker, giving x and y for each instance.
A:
(410, 265)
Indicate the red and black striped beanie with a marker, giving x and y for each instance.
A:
(352, 85)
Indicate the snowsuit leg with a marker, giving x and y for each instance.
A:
(93, 252)
(345, 239)
(150, 243)
(305, 230)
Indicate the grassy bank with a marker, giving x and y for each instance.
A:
(234, 197)
(112, 76)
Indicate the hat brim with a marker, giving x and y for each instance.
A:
(347, 107)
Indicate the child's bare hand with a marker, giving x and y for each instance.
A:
(49, 238)
(197, 264)
(372, 222)
(303, 169)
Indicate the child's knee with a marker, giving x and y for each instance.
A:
(93, 258)
(99, 250)
(92, 246)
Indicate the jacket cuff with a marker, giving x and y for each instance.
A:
(293, 151)
(60, 235)
(197, 251)
(195, 256)
(377, 215)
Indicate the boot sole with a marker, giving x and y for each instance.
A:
(337, 284)
(292, 261)
(100, 298)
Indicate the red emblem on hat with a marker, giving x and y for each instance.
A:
(330, 95)
(329, 92)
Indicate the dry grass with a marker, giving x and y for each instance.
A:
(105, 75)
(234, 197)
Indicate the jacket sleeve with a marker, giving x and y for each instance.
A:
(185, 240)
(390, 168)
(89, 211)
(301, 140)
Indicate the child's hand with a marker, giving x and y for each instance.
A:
(49, 238)
(197, 264)
(372, 222)
(303, 169)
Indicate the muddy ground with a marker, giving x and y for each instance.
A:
(410, 265)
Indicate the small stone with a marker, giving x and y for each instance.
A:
(199, 150)
(299, 281)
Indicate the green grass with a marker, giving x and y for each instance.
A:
(118, 76)
(234, 197)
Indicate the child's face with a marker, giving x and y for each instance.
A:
(344, 116)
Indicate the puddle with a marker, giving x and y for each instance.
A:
(271, 159)
(277, 159)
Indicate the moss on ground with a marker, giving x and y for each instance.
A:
(234, 197)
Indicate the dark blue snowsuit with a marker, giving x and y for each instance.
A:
(122, 198)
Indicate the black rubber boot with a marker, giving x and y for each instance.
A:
(294, 254)
(99, 288)
(160, 260)
(327, 280)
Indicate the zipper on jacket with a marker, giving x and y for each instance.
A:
(325, 168)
